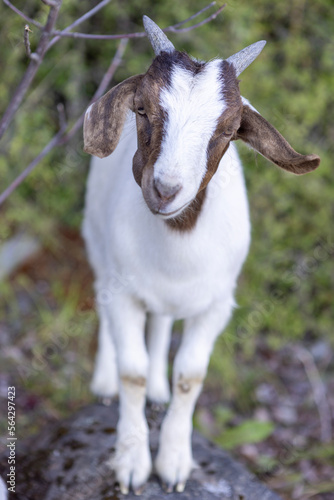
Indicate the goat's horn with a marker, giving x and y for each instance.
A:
(157, 37)
(246, 56)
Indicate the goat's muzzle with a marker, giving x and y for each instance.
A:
(159, 196)
(166, 192)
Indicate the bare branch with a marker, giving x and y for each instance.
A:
(26, 39)
(205, 21)
(21, 14)
(54, 141)
(31, 70)
(81, 19)
(319, 392)
(36, 59)
(51, 3)
(140, 34)
(60, 138)
(88, 36)
(212, 4)
(43, 46)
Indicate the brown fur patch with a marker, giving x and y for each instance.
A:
(184, 385)
(228, 123)
(104, 122)
(186, 221)
(137, 381)
(264, 138)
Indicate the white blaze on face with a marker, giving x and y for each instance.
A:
(193, 104)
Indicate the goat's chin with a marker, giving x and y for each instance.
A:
(165, 214)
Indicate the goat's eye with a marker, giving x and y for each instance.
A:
(141, 111)
(227, 134)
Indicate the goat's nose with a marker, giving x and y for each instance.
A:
(166, 192)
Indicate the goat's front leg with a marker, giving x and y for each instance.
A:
(174, 460)
(132, 460)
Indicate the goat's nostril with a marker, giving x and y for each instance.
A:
(166, 191)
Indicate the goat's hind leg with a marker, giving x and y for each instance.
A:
(105, 379)
(159, 329)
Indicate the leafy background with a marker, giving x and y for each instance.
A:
(258, 400)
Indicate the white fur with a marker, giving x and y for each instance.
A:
(193, 105)
(3, 490)
(142, 266)
(89, 110)
(246, 103)
(158, 347)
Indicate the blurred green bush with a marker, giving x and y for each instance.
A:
(286, 289)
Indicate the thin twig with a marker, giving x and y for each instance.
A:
(54, 141)
(43, 46)
(212, 4)
(88, 36)
(81, 19)
(319, 392)
(50, 3)
(36, 59)
(205, 21)
(60, 138)
(26, 39)
(31, 70)
(21, 14)
(140, 34)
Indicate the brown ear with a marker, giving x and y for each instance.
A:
(264, 138)
(104, 119)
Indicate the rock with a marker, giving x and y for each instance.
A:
(69, 461)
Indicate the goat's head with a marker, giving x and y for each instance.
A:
(187, 112)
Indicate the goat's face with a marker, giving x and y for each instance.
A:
(187, 113)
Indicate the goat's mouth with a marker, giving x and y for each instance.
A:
(170, 215)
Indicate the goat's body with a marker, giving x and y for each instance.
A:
(147, 272)
(180, 274)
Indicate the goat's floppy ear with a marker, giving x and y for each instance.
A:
(264, 138)
(104, 119)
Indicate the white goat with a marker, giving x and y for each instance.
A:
(167, 240)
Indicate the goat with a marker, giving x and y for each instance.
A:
(167, 241)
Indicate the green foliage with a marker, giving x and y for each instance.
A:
(285, 291)
(250, 431)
